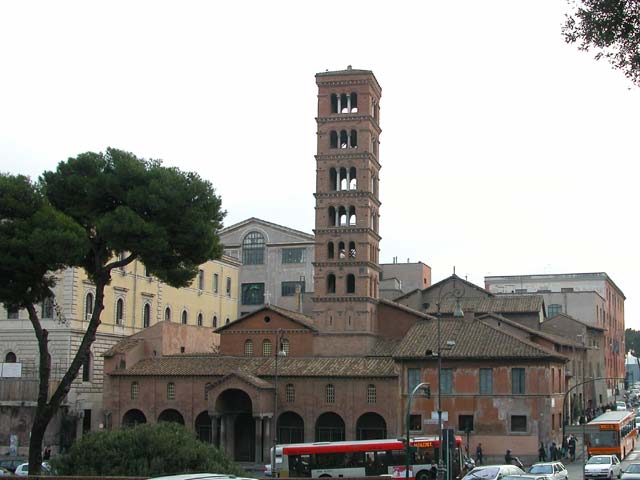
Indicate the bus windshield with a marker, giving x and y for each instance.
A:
(605, 438)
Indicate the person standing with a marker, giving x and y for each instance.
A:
(479, 457)
(572, 448)
(47, 453)
(542, 453)
(508, 458)
(553, 452)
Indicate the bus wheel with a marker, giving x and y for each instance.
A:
(325, 476)
(423, 475)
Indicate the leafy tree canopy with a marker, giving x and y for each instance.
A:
(164, 217)
(612, 29)
(164, 448)
(35, 241)
(632, 341)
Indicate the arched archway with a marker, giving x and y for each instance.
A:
(203, 427)
(371, 426)
(290, 428)
(236, 421)
(171, 415)
(133, 417)
(330, 428)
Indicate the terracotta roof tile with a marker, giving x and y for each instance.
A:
(215, 365)
(502, 304)
(473, 340)
(123, 346)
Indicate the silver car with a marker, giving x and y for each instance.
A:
(555, 470)
(492, 472)
(603, 466)
(632, 472)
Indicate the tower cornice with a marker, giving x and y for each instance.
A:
(346, 230)
(348, 194)
(327, 157)
(320, 81)
(348, 263)
(349, 118)
(344, 299)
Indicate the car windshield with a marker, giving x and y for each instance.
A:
(633, 468)
(599, 460)
(541, 469)
(488, 472)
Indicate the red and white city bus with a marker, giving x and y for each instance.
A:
(364, 458)
(616, 434)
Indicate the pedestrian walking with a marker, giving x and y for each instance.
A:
(553, 452)
(508, 458)
(572, 448)
(479, 457)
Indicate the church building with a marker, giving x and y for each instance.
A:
(344, 371)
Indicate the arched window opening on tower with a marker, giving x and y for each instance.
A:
(354, 102)
(341, 250)
(352, 215)
(331, 283)
(353, 181)
(352, 249)
(345, 100)
(167, 314)
(333, 139)
(342, 216)
(351, 283)
(333, 220)
(353, 139)
(330, 252)
(333, 179)
(344, 179)
(334, 103)
(344, 139)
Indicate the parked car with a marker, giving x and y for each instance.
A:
(527, 476)
(4, 472)
(632, 472)
(11, 463)
(492, 472)
(603, 466)
(22, 470)
(556, 470)
(201, 476)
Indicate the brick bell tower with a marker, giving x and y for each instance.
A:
(347, 206)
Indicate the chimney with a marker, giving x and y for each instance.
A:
(469, 315)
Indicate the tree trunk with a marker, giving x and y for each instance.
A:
(47, 408)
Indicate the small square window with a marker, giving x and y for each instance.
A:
(465, 423)
(518, 423)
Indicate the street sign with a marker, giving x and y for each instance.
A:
(445, 416)
(578, 429)
(430, 421)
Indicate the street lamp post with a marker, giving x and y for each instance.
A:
(457, 293)
(279, 352)
(426, 389)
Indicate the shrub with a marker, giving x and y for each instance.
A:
(165, 448)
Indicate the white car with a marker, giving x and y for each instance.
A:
(492, 472)
(621, 405)
(22, 470)
(632, 472)
(201, 476)
(603, 466)
(555, 470)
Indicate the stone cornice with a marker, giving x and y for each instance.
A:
(343, 83)
(341, 157)
(348, 263)
(350, 117)
(348, 194)
(344, 299)
(337, 231)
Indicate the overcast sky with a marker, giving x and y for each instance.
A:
(504, 151)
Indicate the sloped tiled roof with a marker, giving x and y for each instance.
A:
(297, 317)
(123, 346)
(560, 316)
(215, 365)
(473, 340)
(510, 304)
(404, 308)
(534, 332)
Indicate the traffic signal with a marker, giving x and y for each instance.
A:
(426, 391)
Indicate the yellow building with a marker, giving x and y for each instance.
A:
(133, 300)
(136, 300)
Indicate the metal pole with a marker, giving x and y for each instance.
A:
(408, 421)
(275, 410)
(440, 463)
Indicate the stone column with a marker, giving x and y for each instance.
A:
(259, 446)
(339, 103)
(231, 436)
(214, 430)
(349, 103)
(267, 439)
(223, 433)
